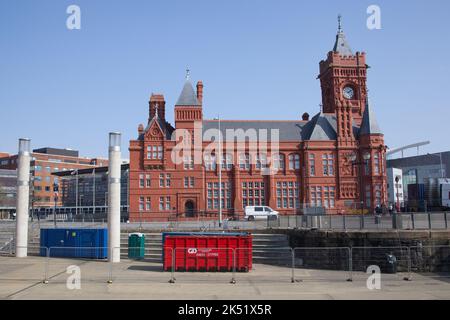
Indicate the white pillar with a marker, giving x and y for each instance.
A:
(22, 198)
(114, 197)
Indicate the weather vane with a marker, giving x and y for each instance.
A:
(188, 73)
(340, 23)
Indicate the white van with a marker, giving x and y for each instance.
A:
(260, 213)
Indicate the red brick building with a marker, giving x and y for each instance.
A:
(334, 161)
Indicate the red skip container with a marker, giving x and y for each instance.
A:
(208, 253)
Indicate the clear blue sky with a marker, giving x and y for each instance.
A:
(257, 59)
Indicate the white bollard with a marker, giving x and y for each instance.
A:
(22, 198)
(114, 197)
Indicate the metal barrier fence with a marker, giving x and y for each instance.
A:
(36, 272)
(403, 221)
(430, 259)
(399, 221)
(90, 263)
(390, 260)
(334, 263)
(7, 244)
(228, 265)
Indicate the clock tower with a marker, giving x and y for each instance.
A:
(343, 77)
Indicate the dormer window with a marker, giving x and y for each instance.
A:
(154, 152)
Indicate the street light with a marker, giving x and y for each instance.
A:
(55, 190)
(353, 158)
(93, 192)
(76, 190)
(219, 160)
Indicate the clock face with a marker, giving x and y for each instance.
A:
(348, 92)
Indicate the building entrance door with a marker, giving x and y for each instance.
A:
(189, 209)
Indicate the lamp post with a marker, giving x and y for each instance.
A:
(32, 197)
(219, 160)
(55, 190)
(93, 192)
(76, 190)
(127, 203)
(366, 157)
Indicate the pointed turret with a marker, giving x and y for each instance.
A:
(341, 45)
(188, 97)
(188, 108)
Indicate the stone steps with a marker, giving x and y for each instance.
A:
(272, 249)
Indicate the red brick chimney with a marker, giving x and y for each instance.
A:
(157, 100)
(200, 92)
(305, 116)
(140, 129)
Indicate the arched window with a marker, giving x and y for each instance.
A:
(227, 161)
(294, 162)
(210, 162)
(261, 161)
(312, 165)
(244, 161)
(278, 161)
(366, 158)
(376, 163)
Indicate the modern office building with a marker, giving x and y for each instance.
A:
(90, 187)
(44, 162)
(422, 170)
(8, 189)
(334, 161)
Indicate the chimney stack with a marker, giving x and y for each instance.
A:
(200, 92)
(305, 116)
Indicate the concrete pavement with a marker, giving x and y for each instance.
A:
(22, 279)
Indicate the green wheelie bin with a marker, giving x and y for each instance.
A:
(136, 246)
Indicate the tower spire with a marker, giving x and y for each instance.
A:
(188, 73)
(341, 45)
(340, 23)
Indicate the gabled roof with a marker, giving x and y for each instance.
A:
(188, 96)
(369, 123)
(165, 127)
(322, 127)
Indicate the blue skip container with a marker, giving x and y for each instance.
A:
(75, 243)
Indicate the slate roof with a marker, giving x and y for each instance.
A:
(188, 96)
(369, 123)
(288, 130)
(341, 45)
(322, 127)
